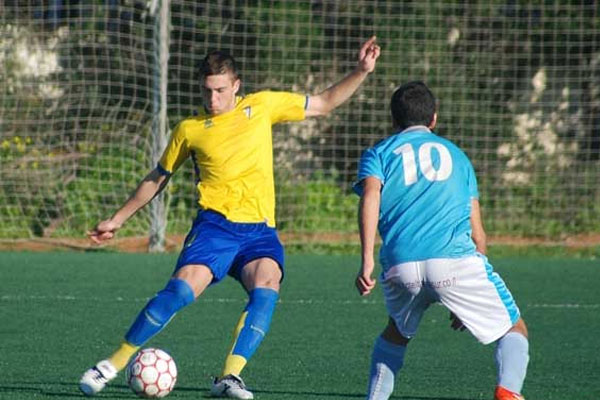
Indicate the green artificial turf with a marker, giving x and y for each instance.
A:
(62, 312)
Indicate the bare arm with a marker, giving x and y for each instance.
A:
(147, 189)
(478, 234)
(367, 222)
(332, 97)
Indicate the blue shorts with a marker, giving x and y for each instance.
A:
(226, 247)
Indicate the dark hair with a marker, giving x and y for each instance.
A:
(217, 63)
(412, 104)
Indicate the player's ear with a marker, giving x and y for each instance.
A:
(236, 85)
(433, 121)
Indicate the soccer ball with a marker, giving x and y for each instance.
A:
(152, 373)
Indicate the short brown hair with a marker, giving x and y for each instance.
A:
(216, 63)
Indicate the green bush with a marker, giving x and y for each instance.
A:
(316, 205)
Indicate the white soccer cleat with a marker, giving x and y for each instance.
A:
(231, 386)
(95, 378)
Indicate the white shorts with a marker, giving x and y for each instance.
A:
(467, 286)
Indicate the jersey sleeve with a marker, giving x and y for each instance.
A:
(285, 106)
(370, 165)
(472, 182)
(176, 151)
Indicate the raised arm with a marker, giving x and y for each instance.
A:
(478, 233)
(332, 97)
(368, 218)
(147, 189)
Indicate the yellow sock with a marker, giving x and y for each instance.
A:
(235, 363)
(121, 357)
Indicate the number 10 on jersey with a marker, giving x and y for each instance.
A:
(432, 174)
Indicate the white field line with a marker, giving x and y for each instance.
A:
(18, 298)
(565, 305)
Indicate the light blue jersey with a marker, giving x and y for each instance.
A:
(428, 184)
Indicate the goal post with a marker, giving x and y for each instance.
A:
(160, 10)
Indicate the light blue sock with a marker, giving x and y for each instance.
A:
(159, 311)
(386, 361)
(512, 357)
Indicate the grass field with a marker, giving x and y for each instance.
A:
(61, 312)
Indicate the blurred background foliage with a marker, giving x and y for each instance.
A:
(518, 84)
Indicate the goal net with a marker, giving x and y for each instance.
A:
(518, 84)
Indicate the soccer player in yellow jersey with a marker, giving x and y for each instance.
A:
(234, 233)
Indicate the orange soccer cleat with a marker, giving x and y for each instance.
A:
(505, 394)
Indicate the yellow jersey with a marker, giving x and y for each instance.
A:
(233, 154)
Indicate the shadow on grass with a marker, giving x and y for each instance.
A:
(26, 390)
(118, 391)
(338, 395)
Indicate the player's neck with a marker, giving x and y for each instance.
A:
(415, 128)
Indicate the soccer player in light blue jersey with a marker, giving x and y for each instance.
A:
(420, 191)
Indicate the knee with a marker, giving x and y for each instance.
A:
(269, 277)
(520, 327)
(393, 335)
(265, 274)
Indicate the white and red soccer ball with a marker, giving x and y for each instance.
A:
(152, 373)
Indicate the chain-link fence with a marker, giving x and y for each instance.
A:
(518, 84)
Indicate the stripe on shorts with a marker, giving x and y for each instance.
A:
(505, 296)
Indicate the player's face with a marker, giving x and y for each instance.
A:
(218, 92)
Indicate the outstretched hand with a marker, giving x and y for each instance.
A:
(368, 54)
(105, 230)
